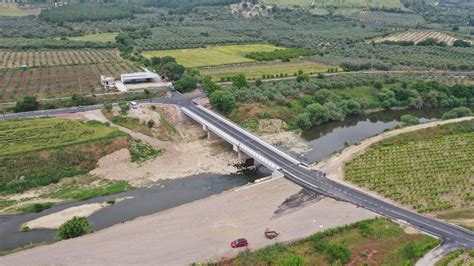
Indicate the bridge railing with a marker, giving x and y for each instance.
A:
(250, 135)
(242, 147)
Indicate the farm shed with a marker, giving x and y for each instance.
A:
(139, 77)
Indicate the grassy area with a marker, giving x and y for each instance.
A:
(459, 257)
(23, 136)
(142, 152)
(11, 10)
(80, 192)
(36, 207)
(265, 70)
(428, 170)
(369, 242)
(38, 152)
(214, 55)
(97, 37)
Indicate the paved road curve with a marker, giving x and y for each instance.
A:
(316, 181)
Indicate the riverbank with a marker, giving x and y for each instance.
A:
(334, 165)
(201, 229)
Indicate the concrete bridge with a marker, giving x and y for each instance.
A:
(248, 145)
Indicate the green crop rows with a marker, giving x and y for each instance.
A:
(429, 175)
(38, 134)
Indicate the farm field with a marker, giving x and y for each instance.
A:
(24, 136)
(427, 170)
(387, 18)
(418, 36)
(267, 69)
(214, 55)
(369, 242)
(14, 59)
(11, 10)
(57, 73)
(98, 37)
(58, 81)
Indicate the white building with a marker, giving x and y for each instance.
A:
(139, 77)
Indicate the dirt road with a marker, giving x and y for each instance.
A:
(198, 231)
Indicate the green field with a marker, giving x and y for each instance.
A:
(97, 37)
(24, 136)
(428, 170)
(11, 10)
(213, 56)
(369, 242)
(258, 70)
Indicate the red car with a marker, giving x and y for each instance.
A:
(241, 242)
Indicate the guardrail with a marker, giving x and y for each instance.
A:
(242, 147)
(248, 134)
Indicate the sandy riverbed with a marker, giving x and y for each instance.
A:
(199, 231)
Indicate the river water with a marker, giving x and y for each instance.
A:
(323, 141)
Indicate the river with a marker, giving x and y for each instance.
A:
(323, 141)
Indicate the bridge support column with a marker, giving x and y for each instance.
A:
(277, 174)
(212, 136)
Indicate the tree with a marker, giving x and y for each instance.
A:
(26, 104)
(171, 70)
(352, 107)
(461, 43)
(186, 84)
(240, 81)
(457, 113)
(150, 123)
(75, 227)
(409, 120)
(210, 86)
(378, 84)
(318, 113)
(302, 77)
(303, 121)
(258, 82)
(224, 101)
(124, 108)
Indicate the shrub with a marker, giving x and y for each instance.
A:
(409, 120)
(75, 227)
(141, 151)
(224, 101)
(26, 104)
(457, 113)
(337, 254)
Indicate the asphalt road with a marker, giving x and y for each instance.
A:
(316, 181)
(176, 99)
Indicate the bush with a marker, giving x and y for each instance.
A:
(457, 113)
(75, 227)
(337, 254)
(224, 101)
(409, 120)
(26, 104)
(141, 151)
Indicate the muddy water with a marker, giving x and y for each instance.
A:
(323, 140)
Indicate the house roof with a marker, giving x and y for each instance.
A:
(139, 75)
